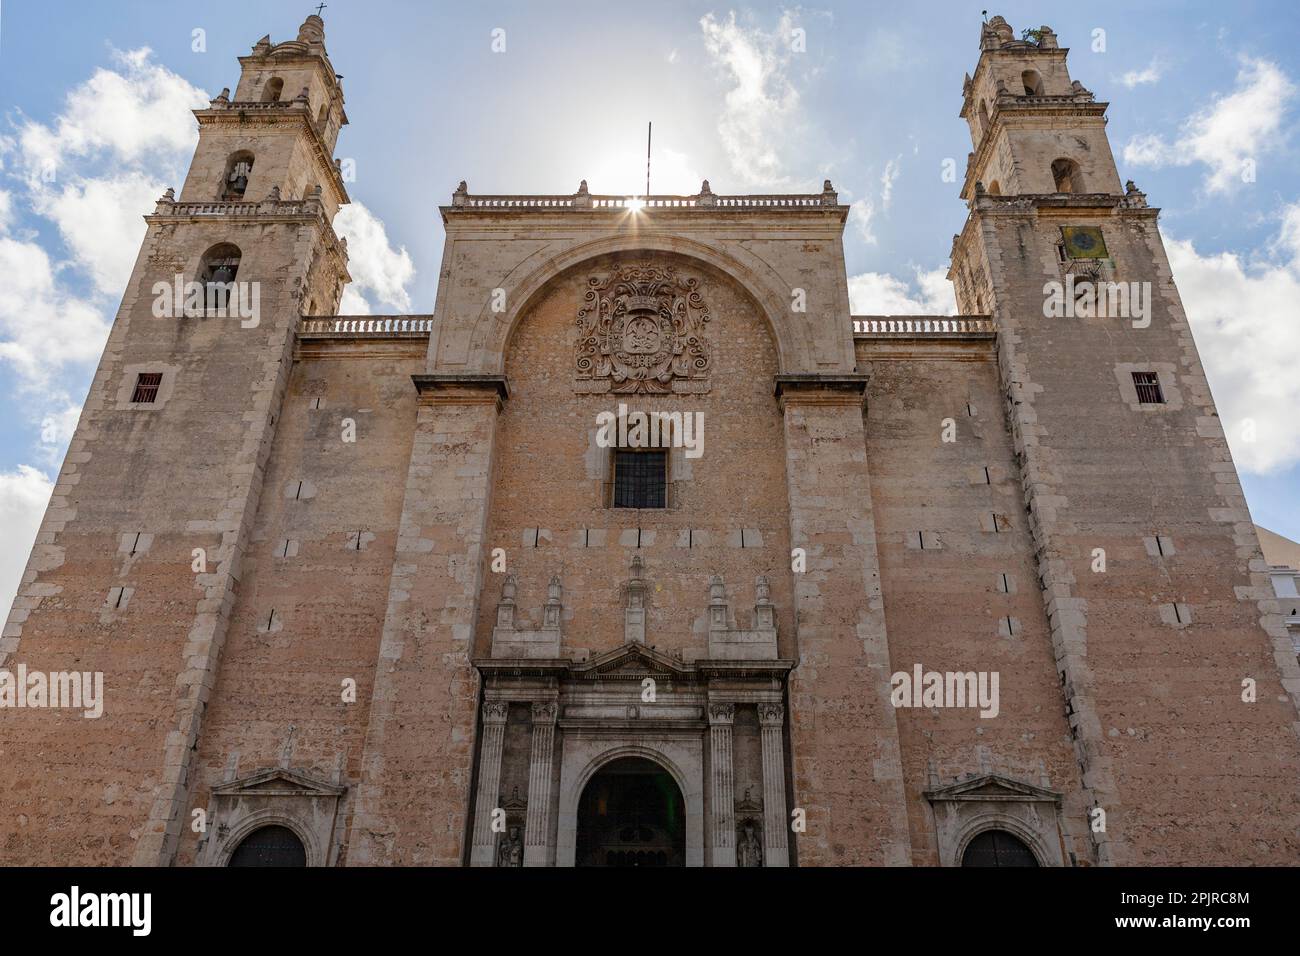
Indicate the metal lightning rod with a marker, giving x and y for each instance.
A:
(648, 130)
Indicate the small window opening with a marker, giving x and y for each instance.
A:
(146, 387)
(1148, 388)
(640, 478)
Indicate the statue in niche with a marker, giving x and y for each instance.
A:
(750, 851)
(510, 851)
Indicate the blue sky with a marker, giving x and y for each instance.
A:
(96, 125)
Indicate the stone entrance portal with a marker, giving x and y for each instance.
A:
(631, 814)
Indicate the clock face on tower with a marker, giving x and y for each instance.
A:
(1084, 242)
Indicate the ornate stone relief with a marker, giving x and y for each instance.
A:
(641, 329)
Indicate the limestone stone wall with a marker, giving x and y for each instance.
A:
(183, 473)
(1152, 653)
(314, 587)
(966, 598)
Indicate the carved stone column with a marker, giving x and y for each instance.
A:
(722, 794)
(776, 848)
(483, 851)
(539, 847)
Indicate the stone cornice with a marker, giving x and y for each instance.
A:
(461, 388)
(297, 211)
(822, 388)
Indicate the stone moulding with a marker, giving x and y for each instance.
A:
(459, 386)
(277, 796)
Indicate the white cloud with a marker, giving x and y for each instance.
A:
(24, 494)
(760, 111)
(1247, 331)
(887, 181)
(877, 293)
(43, 326)
(1232, 129)
(138, 112)
(93, 171)
(101, 222)
(378, 270)
(1150, 74)
(861, 214)
(57, 425)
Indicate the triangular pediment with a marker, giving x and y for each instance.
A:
(278, 781)
(631, 661)
(992, 786)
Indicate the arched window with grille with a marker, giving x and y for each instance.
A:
(998, 848)
(272, 845)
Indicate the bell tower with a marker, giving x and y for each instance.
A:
(1152, 576)
(137, 563)
(273, 145)
(1034, 130)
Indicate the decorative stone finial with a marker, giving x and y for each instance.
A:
(582, 188)
(717, 590)
(169, 195)
(312, 30)
(508, 588)
(222, 98)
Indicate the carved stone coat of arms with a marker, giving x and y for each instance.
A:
(641, 329)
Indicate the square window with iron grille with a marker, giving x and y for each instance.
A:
(146, 387)
(1148, 388)
(640, 478)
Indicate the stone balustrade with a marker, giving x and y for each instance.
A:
(586, 201)
(362, 326)
(925, 325)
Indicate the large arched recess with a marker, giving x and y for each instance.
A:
(727, 510)
(530, 279)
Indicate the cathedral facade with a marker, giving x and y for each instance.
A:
(642, 549)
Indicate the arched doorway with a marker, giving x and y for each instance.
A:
(997, 848)
(631, 814)
(270, 846)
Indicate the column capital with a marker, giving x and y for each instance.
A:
(771, 714)
(722, 713)
(545, 712)
(495, 711)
